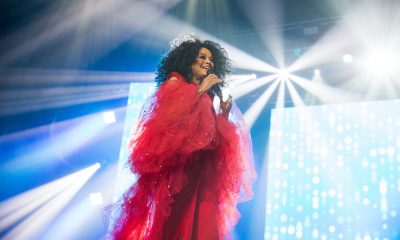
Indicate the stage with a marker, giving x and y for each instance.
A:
(317, 84)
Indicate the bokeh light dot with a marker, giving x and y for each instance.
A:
(340, 220)
(315, 180)
(382, 150)
(300, 164)
(393, 213)
(391, 151)
(285, 166)
(278, 164)
(332, 193)
(323, 194)
(299, 208)
(340, 194)
(348, 140)
(365, 163)
(332, 211)
(291, 229)
(373, 152)
(315, 233)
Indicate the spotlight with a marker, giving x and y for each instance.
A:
(317, 72)
(253, 76)
(109, 117)
(283, 74)
(382, 61)
(96, 198)
(32, 212)
(97, 166)
(347, 58)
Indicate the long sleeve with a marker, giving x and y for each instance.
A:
(235, 167)
(177, 123)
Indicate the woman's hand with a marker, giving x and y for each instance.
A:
(208, 82)
(226, 106)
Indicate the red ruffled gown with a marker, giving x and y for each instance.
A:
(192, 164)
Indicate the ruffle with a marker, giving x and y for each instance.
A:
(177, 123)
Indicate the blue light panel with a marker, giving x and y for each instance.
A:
(138, 94)
(334, 172)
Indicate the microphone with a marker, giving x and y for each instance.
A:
(216, 88)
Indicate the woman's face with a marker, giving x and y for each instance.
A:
(202, 64)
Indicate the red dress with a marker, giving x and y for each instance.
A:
(193, 166)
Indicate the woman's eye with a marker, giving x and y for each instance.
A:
(203, 57)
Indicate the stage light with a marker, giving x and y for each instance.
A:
(381, 61)
(347, 58)
(82, 213)
(280, 100)
(254, 111)
(234, 80)
(379, 72)
(323, 92)
(23, 100)
(96, 198)
(109, 117)
(249, 86)
(66, 138)
(283, 74)
(297, 101)
(34, 210)
(317, 72)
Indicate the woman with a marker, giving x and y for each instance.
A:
(193, 164)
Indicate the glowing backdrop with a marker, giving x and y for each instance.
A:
(334, 172)
(138, 94)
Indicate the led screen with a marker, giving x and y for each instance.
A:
(334, 172)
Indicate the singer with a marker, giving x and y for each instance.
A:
(193, 163)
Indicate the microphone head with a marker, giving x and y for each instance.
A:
(216, 89)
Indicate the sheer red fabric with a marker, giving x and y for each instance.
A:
(192, 165)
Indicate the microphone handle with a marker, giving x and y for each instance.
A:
(216, 90)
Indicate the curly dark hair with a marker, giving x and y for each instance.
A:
(181, 58)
